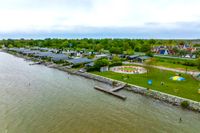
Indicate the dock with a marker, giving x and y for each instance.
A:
(111, 92)
(118, 88)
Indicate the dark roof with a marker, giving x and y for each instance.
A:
(133, 56)
(144, 57)
(58, 57)
(45, 54)
(80, 61)
(91, 64)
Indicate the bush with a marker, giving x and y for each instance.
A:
(91, 69)
(185, 104)
(150, 54)
(115, 64)
(78, 66)
(100, 63)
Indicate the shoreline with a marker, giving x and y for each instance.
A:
(163, 97)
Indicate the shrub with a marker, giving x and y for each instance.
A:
(185, 104)
(78, 66)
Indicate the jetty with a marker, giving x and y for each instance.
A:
(112, 91)
(118, 88)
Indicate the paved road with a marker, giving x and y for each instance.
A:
(164, 68)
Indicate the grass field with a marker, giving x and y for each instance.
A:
(187, 89)
(175, 63)
(176, 66)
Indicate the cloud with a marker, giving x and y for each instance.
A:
(144, 18)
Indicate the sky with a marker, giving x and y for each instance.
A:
(141, 19)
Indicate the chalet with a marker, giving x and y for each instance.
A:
(60, 57)
(91, 64)
(132, 57)
(44, 54)
(164, 52)
(143, 58)
(78, 61)
(101, 56)
(104, 69)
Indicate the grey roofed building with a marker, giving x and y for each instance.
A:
(24, 51)
(59, 57)
(142, 58)
(133, 57)
(80, 61)
(91, 64)
(44, 54)
(20, 50)
(30, 52)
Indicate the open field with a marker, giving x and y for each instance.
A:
(186, 89)
(180, 64)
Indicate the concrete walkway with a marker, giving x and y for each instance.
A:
(165, 68)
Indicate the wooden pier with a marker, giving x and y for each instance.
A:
(112, 92)
(118, 88)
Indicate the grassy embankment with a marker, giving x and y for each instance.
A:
(186, 89)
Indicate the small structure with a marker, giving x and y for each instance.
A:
(91, 64)
(104, 69)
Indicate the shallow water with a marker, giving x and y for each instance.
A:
(37, 99)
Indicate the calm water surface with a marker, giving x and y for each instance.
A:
(37, 99)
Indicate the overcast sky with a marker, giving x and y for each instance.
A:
(100, 18)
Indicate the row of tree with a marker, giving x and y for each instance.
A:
(116, 46)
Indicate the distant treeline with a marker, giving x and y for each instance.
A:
(117, 46)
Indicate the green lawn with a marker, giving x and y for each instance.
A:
(187, 89)
(175, 63)
(177, 66)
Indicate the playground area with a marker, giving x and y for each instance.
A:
(128, 69)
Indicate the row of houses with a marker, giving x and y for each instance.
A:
(55, 57)
(169, 50)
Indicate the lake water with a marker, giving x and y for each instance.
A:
(37, 99)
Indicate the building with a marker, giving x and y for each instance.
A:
(104, 69)
(164, 52)
(60, 57)
(132, 57)
(78, 61)
(143, 58)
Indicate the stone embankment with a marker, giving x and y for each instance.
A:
(171, 99)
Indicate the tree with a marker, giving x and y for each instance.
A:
(198, 63)
(129, 52)
(149, 63)
(176, 50)
(145, 48)
(101, 63)
(150, 54)
(116, 61)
